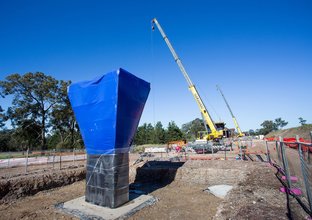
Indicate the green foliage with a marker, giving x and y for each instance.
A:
(251, 132)
(2, 117)
(192, 128)
(5, 138)
(302, 121)
(39, 103)
(28, 133)
(280, 123)
(173, 132)
(10, 140)
(63, 120)
(147, 134)
(267, 127)
(159, 134)
(53, 140)
(144, 134)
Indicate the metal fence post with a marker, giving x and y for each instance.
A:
(26, 163)
(285, 163)
(60, 159)
(53, 157)
(9, 159)
(267, 152)
(225, 153)
(241, 152)
(304, 174)
(74, 156)
(310, 149)
(278, 150)
(48, 155)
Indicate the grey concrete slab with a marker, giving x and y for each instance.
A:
(80, 208)
(220, 190)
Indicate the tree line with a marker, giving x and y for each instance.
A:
(148, 134)
(40, 117)
(273, 125)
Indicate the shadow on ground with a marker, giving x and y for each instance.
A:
(154, 175)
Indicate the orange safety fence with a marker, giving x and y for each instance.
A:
(270, 139)
(290, 142)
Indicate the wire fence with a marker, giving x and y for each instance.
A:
(30, 161)
(291, 158)
(294, 165)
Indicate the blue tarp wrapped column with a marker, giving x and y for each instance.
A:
(108, 110)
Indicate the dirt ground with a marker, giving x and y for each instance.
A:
(7, 173)
(180, 201)
(179, 189)
(302, 131)
(41, 205)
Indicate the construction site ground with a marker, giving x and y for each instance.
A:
(178, 186)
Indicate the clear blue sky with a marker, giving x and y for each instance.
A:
(259, 52)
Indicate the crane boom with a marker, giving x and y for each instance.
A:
(240, 133)
(214, 133)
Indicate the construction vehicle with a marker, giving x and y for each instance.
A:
(176, 145)
(215, 131)
(239, 131)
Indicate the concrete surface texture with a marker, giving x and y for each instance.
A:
(80, 208)
(219, 190)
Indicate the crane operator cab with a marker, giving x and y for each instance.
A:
(220, 126)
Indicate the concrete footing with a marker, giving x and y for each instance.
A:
(84, 210)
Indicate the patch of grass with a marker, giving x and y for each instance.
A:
(7, 155)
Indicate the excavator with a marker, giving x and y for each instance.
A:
(214, 131)
(239, 131)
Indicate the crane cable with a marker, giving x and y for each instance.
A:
(152, 78)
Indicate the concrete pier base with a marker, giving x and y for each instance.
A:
(84, 210)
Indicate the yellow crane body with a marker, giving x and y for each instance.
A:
(213, 132)
(239, 131)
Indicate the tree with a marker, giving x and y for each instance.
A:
(192, 128)
(280, 123)
(62, 118)
(5, 137)
(173, 132)
(251, 132)
(268, 126)
(34, 95)
(28, 133)
(149, 134)
(302, 121)
(159, 134)
(2, 117)
(144, 134)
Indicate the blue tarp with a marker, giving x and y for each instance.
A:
(108, 109)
